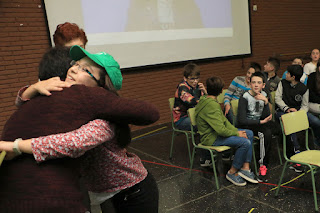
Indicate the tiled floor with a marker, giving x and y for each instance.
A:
(182, 191)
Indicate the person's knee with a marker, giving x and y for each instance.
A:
(249, 134)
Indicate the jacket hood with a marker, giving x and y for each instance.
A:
(204, 100)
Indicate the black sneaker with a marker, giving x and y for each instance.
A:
(296, 167)
(205, 163)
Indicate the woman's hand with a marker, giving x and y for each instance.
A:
(45, 87)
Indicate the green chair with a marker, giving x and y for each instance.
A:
(234, 105)
(176, 131)
(220, 97)
(273, 104)
(2, 155)
(214, 150)
(295, 122)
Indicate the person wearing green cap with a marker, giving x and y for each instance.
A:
(109, 170)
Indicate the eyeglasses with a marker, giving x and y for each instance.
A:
(83, 69)
(194, 79)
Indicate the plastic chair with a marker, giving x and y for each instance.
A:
(234, 105)
(295, 122)
(273, 104)
(214, 150)
(220, 97)
(176, 131)
(2, 155)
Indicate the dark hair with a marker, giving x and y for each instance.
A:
(256, 66)
(67, 32)
(214, 86)
(191, 69)
(275, 63)
(55, 62)
(299, 59)
(259, 74)
(296, 71)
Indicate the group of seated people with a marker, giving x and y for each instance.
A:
(297, 90)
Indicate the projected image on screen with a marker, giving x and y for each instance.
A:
(148, 32)
(146, 15)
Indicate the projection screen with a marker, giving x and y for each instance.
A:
(148, 32)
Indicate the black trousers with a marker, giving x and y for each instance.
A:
(142, 197)
(268, 129)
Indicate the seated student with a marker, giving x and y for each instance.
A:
(291, 96)
(311, 66)
(254, 114)
(187, 95)
(215, 129)
(298, 61)
(270, 70)
(314, 91)
(238, 86)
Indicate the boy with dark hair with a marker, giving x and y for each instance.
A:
(55, 63)
(238, 86)
(215, 129)
(298, 61)
(187, 95)
(270, 70)
(291, 96)
(254, 114)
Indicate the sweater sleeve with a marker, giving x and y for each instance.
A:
(216, 120)
(242, 114)
(230, 91)
(19, 101)
(108, 106)
(305, 101)
(278, 98)
(72, 144)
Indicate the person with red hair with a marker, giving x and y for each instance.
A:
(69, 34)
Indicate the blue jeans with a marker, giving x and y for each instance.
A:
(184, 124)
(243, 153)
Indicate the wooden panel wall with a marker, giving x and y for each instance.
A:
(285, 28)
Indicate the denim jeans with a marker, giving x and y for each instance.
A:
(230, 115)
(243, 147)
(184, 124)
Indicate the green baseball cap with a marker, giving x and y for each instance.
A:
(103, 59)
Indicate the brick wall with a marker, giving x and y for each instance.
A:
(285, 28)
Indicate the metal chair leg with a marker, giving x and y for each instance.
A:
(282, 174)
(172, 141)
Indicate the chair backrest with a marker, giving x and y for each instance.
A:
(221, 96)
(192, 116)
(294, 122)
(234, 104)
(171, 104)
(273, 103)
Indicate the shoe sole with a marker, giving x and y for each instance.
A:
(235, 183)
(247, 178)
